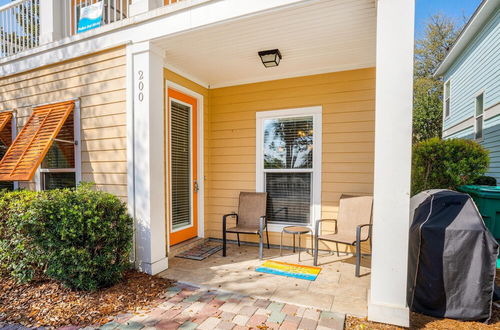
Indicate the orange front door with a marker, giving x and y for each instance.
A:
(182, 157)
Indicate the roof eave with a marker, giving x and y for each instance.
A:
(473, 26)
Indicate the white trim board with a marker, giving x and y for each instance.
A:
(316, 112)
(489, 113)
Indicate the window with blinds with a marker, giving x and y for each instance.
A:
(289, 197)
(58, 168)
(180, 159)
(288, 168)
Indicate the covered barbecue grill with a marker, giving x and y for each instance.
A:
(452, 257)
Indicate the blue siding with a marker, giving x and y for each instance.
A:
(467, 133)
(492, 143)
(477, 68)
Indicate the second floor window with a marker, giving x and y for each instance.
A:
(447, 99)
(478, 127)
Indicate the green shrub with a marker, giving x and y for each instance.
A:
(19, 257)
(80, 237)
(447, 164)
(486, 181)
(86, 234)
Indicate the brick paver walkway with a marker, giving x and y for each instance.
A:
(189, 307)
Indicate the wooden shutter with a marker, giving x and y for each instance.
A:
(6, 128)
(32, 143)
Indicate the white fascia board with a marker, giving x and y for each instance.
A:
(473, 27)
(168, 20)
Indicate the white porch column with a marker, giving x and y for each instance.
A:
(393, 127)
(145, 147)
(142, 6)
(51, 21)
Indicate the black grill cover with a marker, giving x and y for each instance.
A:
(452, 257)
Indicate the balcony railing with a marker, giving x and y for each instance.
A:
(26, 24)
(110, 11)
(19, 26)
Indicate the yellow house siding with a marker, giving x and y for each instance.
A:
(348, 102)
(99, 81)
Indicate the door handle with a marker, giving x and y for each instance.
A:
(196, 186)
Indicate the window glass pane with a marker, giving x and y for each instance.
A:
(289, 197)
(58, 180)
(62, 154)
(288, 143)
(180, 158)
(447, 90)
(9, 185)
(447, 107)
(479, 105)
(479, 127)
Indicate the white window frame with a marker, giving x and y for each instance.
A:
(476, 117)
(78, 152)
(316, 112)
(447, 97)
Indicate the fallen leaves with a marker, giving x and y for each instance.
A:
(49, 304)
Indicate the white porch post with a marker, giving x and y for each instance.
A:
(145, 129)
(142, 6)
(393, 127)
(51, 21)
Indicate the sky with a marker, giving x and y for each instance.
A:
(457, 9)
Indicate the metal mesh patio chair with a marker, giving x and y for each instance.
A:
(250, 219)
(352, 226)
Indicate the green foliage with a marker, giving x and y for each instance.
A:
(81, 237)
(19, 257)
(485, 181)
(430, 50)
(447, 164)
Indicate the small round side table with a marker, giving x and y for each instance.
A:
(296, 230)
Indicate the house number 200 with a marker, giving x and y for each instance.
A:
(140, 85)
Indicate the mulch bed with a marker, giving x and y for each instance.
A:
(419, 321)
(49, 304)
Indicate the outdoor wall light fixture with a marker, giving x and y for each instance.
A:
(270, 58)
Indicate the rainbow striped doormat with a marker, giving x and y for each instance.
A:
(291, 270)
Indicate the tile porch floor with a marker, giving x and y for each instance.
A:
(336, 288)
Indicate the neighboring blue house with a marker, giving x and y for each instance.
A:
(471, 75)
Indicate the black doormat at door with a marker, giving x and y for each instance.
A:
(200, 252)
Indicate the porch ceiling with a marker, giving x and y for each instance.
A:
(313, 37)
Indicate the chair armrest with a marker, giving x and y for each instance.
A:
(318, 223)
(265, 218)
(358, 232)
(225, 216)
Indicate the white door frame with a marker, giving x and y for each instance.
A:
(200, 164)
